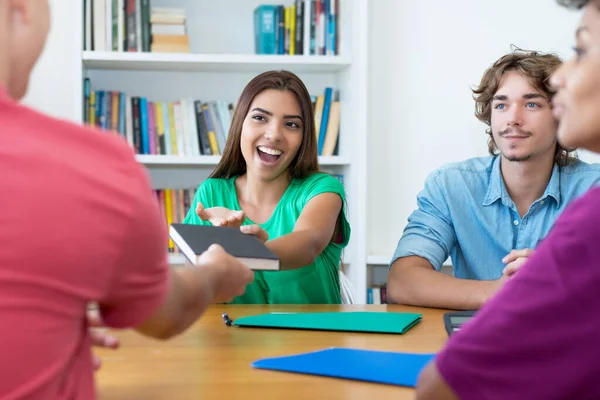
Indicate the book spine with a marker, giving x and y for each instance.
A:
(131, 26)
(202, 130)
(145, 19)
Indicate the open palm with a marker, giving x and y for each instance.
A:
(221, 216)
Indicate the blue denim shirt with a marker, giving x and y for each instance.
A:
(465, 212)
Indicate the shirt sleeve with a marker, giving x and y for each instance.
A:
(537, 338)
(429, 232)
(141, 277)
(328, 184)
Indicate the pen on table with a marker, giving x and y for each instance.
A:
(226, 319)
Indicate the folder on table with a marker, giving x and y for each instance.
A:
(390, 368)
(362, 321)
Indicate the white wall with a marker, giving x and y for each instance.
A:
(425, 56)
(56, 79)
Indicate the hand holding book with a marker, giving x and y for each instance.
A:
(230, 274)
(255, 230)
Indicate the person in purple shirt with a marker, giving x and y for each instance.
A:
(537, 338)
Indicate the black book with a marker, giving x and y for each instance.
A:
(193, 240)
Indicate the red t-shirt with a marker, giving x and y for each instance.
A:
(78, 223)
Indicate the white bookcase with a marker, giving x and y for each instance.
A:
(221, 63)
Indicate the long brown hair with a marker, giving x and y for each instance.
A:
(537, 68)
(306, 161)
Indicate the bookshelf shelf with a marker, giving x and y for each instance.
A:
(378, 259)
(211, 62)
(163, 160)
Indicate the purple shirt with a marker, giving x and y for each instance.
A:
(538, 337)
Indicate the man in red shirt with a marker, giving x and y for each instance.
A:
(79, 224)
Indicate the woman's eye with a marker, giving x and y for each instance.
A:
(499, 106)
(293, 124)
(258, 117)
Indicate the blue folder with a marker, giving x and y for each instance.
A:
(390, 368)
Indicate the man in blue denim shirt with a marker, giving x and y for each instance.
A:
(488, 213)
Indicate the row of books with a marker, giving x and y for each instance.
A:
(133, 26)
(187, 127)
(174, 205)
(307, 27)
(377, 295)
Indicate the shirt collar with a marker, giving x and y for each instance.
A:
(496, 189)
(553, 188)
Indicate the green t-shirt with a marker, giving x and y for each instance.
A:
(317, 283)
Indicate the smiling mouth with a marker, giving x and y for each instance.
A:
(268, 155)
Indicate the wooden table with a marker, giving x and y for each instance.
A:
(212, 360)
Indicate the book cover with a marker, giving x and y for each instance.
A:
(193, 240)
(386, 367)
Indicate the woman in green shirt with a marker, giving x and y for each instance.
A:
(268, 183)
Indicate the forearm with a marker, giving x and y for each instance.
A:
(295, 250)
(190, 293)
(419, 286)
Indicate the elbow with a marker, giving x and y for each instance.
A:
(310, 253)
(431, 385)
(163, 330)
(399, 286)
(167, 333)
(313, 253)
(395, 291)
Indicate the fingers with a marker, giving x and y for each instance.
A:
(94, 319)
(255, 230)
(101, 339)
(201, 212)
(235, 220)
(513, 255)
(96, 362)
(514, 266)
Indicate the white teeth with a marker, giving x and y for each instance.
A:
(268, 150)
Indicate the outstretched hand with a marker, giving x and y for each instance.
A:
(220, 216)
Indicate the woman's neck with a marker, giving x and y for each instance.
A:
(255, 191)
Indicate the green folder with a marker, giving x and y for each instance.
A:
(362, 321)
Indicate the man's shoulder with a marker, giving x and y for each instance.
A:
(579, 167)
(72, 154)
(477, 167)
(70, 138)
(578, 177)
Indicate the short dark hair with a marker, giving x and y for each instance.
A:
(577, 4)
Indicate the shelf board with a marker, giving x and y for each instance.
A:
(162, 160)
(378, 259)
(211, 62)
